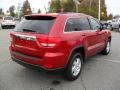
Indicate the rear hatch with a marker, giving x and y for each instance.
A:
(31, 35)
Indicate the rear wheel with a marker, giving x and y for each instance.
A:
(111, 28)
(107, 48)
(74, 67)
(119, 28)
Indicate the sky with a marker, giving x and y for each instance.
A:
(113, 6)
(36, 4)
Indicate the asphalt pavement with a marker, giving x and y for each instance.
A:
(99, 72)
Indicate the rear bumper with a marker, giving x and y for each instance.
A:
(50, 61)
(26, 64)
(32, 66)
(8, 24)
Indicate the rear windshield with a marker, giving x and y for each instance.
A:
(8, 18)
(42, 26)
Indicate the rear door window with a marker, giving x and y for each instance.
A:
(77, 24)
(83, 23)
(71, 25)
(42, 25)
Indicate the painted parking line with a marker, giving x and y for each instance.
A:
(109, 60)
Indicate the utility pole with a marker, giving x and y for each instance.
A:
(99, 11)
(18, 9)
(45, 9)
(76, 7)
(76, 4)
(90, 6)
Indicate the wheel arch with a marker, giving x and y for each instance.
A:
(79, 49)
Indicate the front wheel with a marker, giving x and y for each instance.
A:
(74, 67)
(107, 49)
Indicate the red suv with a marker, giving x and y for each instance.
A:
(58, 41)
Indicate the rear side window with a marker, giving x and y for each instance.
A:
(42, 26)
(77, 24)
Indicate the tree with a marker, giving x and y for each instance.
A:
(116, 16)
(91, 7)
(103, 10)
(39, 11)
(69, 6)
(60, 5)
(80, 0)
(110, 16)
(86, 6)
(1, 11)
(11, 10)
(26, 9)
(55, 6)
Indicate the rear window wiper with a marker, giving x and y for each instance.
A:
(28, 30)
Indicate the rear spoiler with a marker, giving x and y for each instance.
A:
(39, 17)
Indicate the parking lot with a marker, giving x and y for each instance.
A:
(99, 72)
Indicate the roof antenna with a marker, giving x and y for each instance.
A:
(45, 9)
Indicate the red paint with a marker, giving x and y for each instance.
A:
(53, 49)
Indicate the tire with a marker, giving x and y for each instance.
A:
(111, 28)
(119, 29)
(74, 67)
(106, 51)
(2, 27)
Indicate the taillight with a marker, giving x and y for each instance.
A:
(42, 40)
(49, 42)
(25, 37)
(53, 42)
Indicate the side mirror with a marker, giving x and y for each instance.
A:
(100, 28)
(104, 25)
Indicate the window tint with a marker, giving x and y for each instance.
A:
(83, 24)
(36, 26)
(77, 24)
(71, 25)
(95, 24)
(8, 18)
